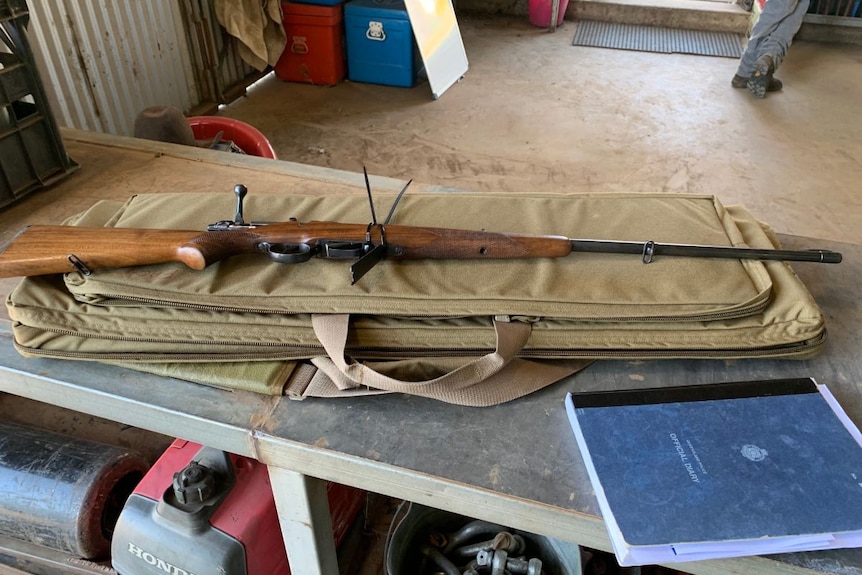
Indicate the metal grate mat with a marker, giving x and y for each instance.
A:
(654, 39)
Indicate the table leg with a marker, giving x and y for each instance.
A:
(306, 525)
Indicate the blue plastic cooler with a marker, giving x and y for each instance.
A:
(380, 44)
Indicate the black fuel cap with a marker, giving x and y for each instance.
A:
(194, 484)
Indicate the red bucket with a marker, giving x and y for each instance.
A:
(246, 137)
(540, 12)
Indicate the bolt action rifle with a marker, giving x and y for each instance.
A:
(45, 249)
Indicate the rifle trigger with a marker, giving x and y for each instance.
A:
(79, 265)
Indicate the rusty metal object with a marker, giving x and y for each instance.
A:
(426, 541)
(62, 492)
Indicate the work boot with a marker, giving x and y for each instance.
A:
(742, 82)
(759, 82)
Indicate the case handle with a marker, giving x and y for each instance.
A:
(332, 330)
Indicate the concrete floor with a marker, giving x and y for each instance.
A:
(536, 114)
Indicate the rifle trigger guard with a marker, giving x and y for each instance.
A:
(649, 251)
(287, 253)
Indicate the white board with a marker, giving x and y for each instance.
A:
(439, 40)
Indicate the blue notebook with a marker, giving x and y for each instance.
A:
(723, 470)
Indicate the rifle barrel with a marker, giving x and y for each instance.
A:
(650, 249)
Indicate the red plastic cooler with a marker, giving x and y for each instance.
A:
(315, 44)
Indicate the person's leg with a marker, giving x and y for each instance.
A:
(777, 43)
(771, 21)
(772, 49)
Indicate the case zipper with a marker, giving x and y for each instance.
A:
(296, 352)
(121, 300)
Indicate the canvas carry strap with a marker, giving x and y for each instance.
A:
(488, 380)
(332, 330)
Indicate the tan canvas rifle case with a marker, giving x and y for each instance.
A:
(421, 318)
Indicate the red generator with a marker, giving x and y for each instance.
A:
(200, 510)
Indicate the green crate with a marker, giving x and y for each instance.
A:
(32, 155)
(14, 80)
(11, 9)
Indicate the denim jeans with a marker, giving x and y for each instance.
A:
(778, 24)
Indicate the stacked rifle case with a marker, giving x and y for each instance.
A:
(417, 319)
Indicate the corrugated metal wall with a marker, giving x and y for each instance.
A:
(102, 62)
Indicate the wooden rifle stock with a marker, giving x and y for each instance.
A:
(41, 250)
